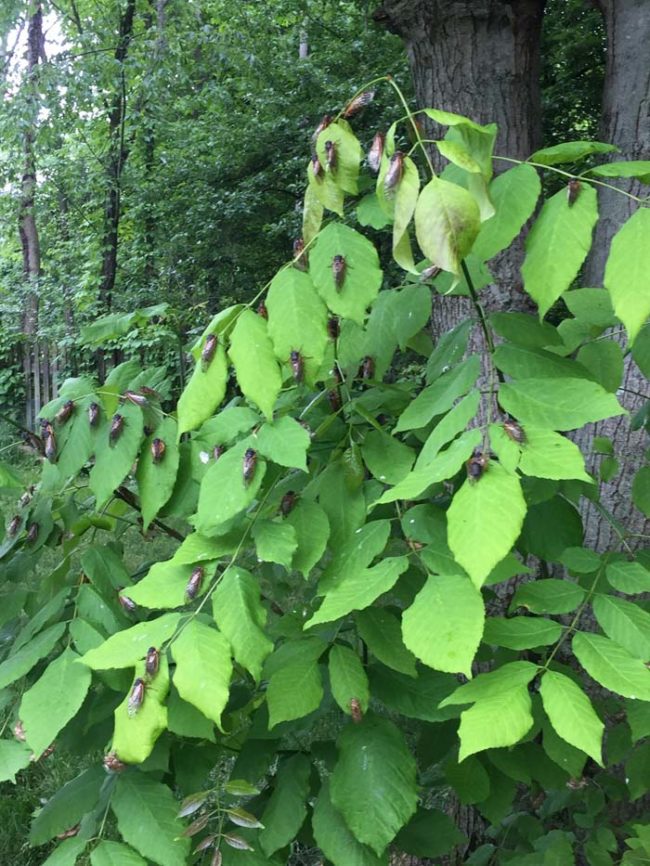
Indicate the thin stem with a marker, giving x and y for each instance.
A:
(479, 308)
(414, 125)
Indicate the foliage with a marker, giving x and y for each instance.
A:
(331, 651)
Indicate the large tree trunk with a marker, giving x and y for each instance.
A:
(625, 123)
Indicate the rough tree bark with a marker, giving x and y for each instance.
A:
(625, 123)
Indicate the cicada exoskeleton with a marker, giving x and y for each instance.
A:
(331, 155)
(194, 583)
(64, 412)
(117, 425)
(93, 414)
(288, 503)
(339, 268)
(355, 105)
(249, 465)
(572, 191)
(355, 711)
(262, 311)
(376, 152)
(209, 348)
(136, 697)
(152, 662)
(514, 431)
(300, 258)
(297, 365)
(394, 173)
(158, 449)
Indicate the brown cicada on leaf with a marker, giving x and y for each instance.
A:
(195, 582)
(117, 425)
(367, 369)
(136, 697)
(316, 168)
(209, 348)
(50, 446)
(158, 449)
(376, 152)
(334, 399)
(249, 465)
(297, 366)
(126, 603)
(32, 533)
(64, 412)
(217, 859)
(325, 122)
(27, 496)
(477, 466)
(112, 763)
(152, 662)
(359, 102)
(339, 268)
(300, 257)
(333, 328)
(331, 155)
(262, 311)
(394, 173)
(14, 525)
(69, 833)
(430, 273)
(288, 503)
(572, 191)
(218, 451)
(514, 431)
(93, 414)
(355, 711)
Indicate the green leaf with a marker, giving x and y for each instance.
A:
(312, 531)
(557, 245)
(593, 306)
(604, 360)
(561, 404)
(641, 490)
(164, 586)
(484, 521)
(567, 757)
(387, 458)
(370, 213)
(624, 622)
(275, 541)
(135, 736)
(220, 324)
(356, 554)
(628, 577)
(547, 454)
(638, 718)
(457, 155)
(571, 714)
(521, 632)
(406, 196)
(524, 362)
(334, 838)
(348, 678)
(637, 168)
(447, 221)
(502, 679)
(359, 590)
(312, 215)
(438, 398)
(284, 442)
(381, 631)
(627, 273)
(514, 195)
(548, 596)
(203, 668)
(413, 697)
(524, 330)
(21, 663)
(115, 854)
(9, 480)
(226, 426)
(53, 700)
(443, 626)
(186, 721)
(430, 833)
(238, 612)
(223, 493)
(449, 349)
(500, 720)
(113, 462)
(411, 310)
(451, 424)
(126, 648)
(612, 666)
(348, 154)
(156, 480)
(251, 352)
(14, 757)
(146, 818)
(363, 275)
(204, 392)
(570, 151)
(295, 687)
(68, 805)
(343, 503)
(287, 808)
(641, 351)
(66, 853)
(297, 319)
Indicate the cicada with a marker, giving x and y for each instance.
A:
(117, 425)
(297, 366)
(14, 525)
(217, 859)
(330, 155)
(93, 414)
(135, 398)
(334, 399)
(514, 431)
(367, 370)
(158, 449)
(126, 603)
(69, 833)
(218, 450)
(376, 152)
(572, 191)
(250, 462)
(149, 392)
(395, 172)
(287, 503)
(430, 273)
(355, 711)
(300, 258)
(355, 105)
(50, 446)
(112, 763)
(209, 348)
(316, 168)
(325, 122)
(476, 466)
(136, 698)
(152, 662)
(194, 583)
(64, 412)
(27, 496)
(338, 271)
(32, 532)
(262, 311)
(333, 328)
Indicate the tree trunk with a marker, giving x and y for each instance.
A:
(625, 123)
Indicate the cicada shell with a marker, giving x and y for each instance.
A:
(300, 258)
(430, 273)
(64, 412)
(376, 152)
(316, 168)
(218, 450)
(288, 503)
(69, 833)
(325, 122)
(297, 366)
(126, 603)
(217, 859)
(209, 348)
(333, 328)
(136, 698)
(355, 711)
(117, 425)
(32, 533)
(50, 447)
(338, 271)
(194, 583)
(14, 525)
(367, 370)
(334, 399)
(394, 173)
(93, 414)
(158, 449)
(135, 398)
(112, 763)
(572, 191)
(514, 431)
(476, 466)
(250, 462)
(152, 662)
(262, 311)
(355, 105)
(331, 156)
